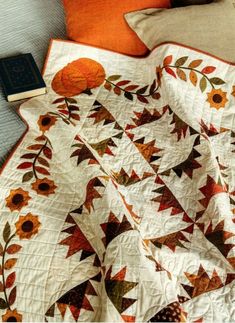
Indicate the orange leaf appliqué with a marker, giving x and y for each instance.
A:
(24, 165)
(167, 60)
(42, 170)
(170, 71)
(12, 296)
(14, 248)
(10, 263)
(10, 280)
(208, 69)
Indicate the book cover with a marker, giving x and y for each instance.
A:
(21, 77)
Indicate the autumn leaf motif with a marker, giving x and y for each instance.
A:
(201, 282)
(181, 61)
(76, 299)
(101, 115)
(113, 228)
(92, 193)
(122, 178)
(208, 69)
(190, 164)
(210, 189)
(181, 74)
(37, 166)
(217, 236)
(104, 147)
(203, 84)
(193, 77)
(8, 253)
(170, 71)
(67, 110)
(180, 126)
(10, 263)
(36, 162)
(210, 130)
(117, 287)
(149, 151)
(166, 198)
(195, 63)
(167, 60)
(146, 116)
(196, 74)
(173, 240)
(76, 240)
(130, 91)
(12, 249)
(82, 152)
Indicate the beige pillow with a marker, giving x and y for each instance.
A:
(210, 28)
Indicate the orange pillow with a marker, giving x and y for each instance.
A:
(101, 23)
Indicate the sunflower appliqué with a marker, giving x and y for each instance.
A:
(27, 226)
(46, 121)
(17, 199)
(217, 98)
(12, 316)
(78, 77)
(44, 186)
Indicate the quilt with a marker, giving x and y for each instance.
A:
(118, 203)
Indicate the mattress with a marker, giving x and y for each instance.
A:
(22, 31)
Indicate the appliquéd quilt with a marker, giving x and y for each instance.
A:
(118, 204)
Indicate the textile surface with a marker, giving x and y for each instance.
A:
(207, 27)
(101, 23)
(26, 26)
(118, 205)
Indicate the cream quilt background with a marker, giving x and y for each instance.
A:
(118, 204)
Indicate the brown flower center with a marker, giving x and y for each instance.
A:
(27, 226)
(18, 198)
(12, 319)
(46, 121)
(43, 187)
(217, 98)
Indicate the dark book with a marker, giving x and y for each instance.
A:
(20, 77)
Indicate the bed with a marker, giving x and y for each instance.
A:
(25, 30)
(118, 203)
